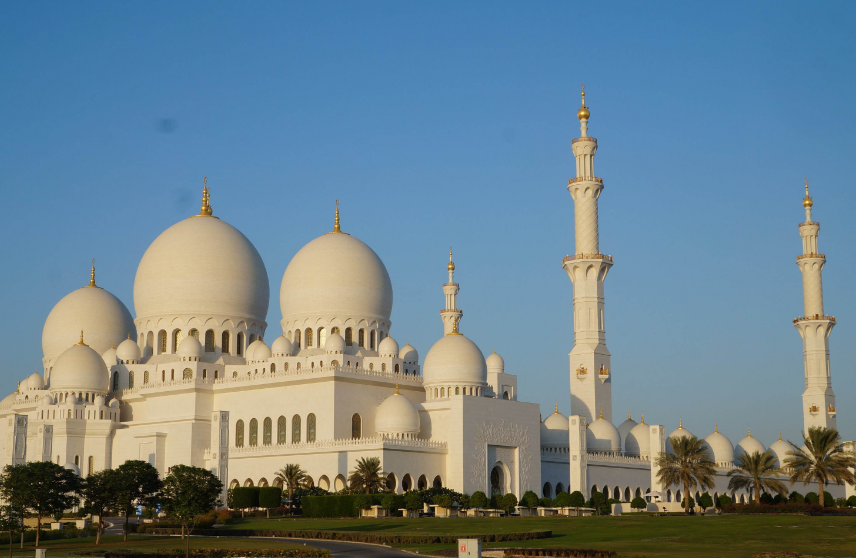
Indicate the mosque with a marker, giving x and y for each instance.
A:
(192, 380)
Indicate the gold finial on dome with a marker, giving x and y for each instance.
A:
(113, 346)
(680, 424)
(807, 202)
(780, 435)
(749, 434)
(454, 327)
(556, 412)
(396, 390)
(715, 428)
(81, 339)
(643, 419)
(601, 415)
(583, 113)
(628, 416)
(129, 336)
(336, 227)
(92, 275)
(451, 266)
(205, 210)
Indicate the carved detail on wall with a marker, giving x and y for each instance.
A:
(500, 434)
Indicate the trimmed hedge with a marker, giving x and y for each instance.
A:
(270, 497)
(806, 509)
(337, 505)
(228, 553)
(358, 536)
(243, 497)
(569, 552)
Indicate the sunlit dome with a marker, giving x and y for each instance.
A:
(749, 445)
(79, 369)
(720, 447)
(397, 415)
(780, 449)
(281, 346)
(638, 440)
(555, 429)
(603, 437)
(454, 360)
(409, 354)
(625, 427)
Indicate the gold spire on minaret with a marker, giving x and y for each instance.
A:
(807, 202)
(81, 339)
(451, 266)
(583, 113)
(205, 210)
(92, 275)
(336, 227)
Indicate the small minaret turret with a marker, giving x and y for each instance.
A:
(814, 328)
(591, 382)
(451, 314)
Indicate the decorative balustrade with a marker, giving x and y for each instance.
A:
(597, 256)
(341, 443)
(168, 383)
(813, 318)
(583, 138)
(809, 224)
(309, 371)
(804, 256)
(596, 457)
(586, 179)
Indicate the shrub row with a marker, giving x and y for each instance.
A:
(228, 553)
(242, 497)
(355, 536)
(337, 505)
(795, 508)
(69, 532)
(569, 552)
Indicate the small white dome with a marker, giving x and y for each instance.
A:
(749, 445)
(388, 347)
(79, 369)
(34, 381)
(250, 353)
(46, 401)
(73, 468)
(397, 415)
(555, 430)
(603, 437)
(99, 400)
(128, 351)
(101, 315)
(454, 359)
(336, 344)
(495, 363)
(281, 346)
(110, 358)
(9, 399)
(625, 427)
(190, 347)
(638, 441)
(679, 432)
(408, 354)
(720, 447)
(262, 352)
(780, 449)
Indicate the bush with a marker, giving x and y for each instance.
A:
(392, 503)
(790, 508)
(243, 497)
(444, 501)
(577, 499)
(705, 501)
(413, 500)
(779, 499)
(691, 503)
(545, 502)
(766, 499)
(478, 500)
(639, 503)
(530, 499)
(363, 501)
(723, 501)
(796, 497)
(335, 505)
(493, 503)
(509, 502)
(812, 498)
(465, 501)
(562, 500)
(270, 497)
(851, 502)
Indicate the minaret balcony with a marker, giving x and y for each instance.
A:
(816, 317)
(597, 256)
(814, 409)
(585, 179)
(804, 256)
(830, 411)
(583, 138)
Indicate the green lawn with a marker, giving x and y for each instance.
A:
(141, 543)
(648, 536)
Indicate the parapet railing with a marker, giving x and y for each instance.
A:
(586, 179)
(583, 138)
(341, 443)
(597, 256)
(803, 256)
(815, 317)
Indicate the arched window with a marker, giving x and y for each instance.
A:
(371, 366)
(322, 337)
(297, 338)
(308, 335)
(240, 347)
(559, 488)
(176, 339)
(267, 431)
(224, 342)
(438, 482)
(209, 341)
(150, 343)
(505, 395)
(91, 466)
(349, 336)
(334, 363)
(285, 367)
(383, 367)
(77, 460)
(397, 369)
(356, 426)
(272, 367)
(239, 434)
(298, 366)
(115, 381)
(310, 427)
(442, 392)
(457, 391)
(172, 374)
(187, 374)
(295, 429)
(145, 376)
(280, 431)
(362, 338)
(131, 379)
(162, 342)
(254, 432)
(194, 332)
(373, 339)
(547, 490)
(334, 330)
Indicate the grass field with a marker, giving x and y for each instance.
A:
(651, 537)
(74, 547)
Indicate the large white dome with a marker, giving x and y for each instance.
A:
(720, 447)
(80, 369)
(397, 415)
(93, 310)
(638, 441)
(603, 437)
(204, 267)
(454, 360)
(625, 427)
(335, 276)
(555, 430)
(780, 449)
(749, 445)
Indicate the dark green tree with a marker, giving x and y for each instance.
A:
(723, 501)
(367, 476)
(478, 500)
(577, 499)
(691, 503)
(413, 500)
(187, 492)
(465, 501)
(689, 465)
(638, 503)
(444, 501)
(851, 502)
(598, 502)
(11, 520)
(139, 484)
(705, 501)
(100, 495)
(270, 497)
(509, 502)
(796, 497)
(530, 499)
(40, 487)
(562, 500)
(766, 499)
(823, 461)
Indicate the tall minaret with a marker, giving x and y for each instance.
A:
(591, 381)
(814, 328)
(451, 315)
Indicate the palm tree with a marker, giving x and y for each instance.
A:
(293, 477)
(754, 471)
(822, 460)
(367, 477)
(689, 465)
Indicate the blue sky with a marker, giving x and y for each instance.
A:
(442, 124)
